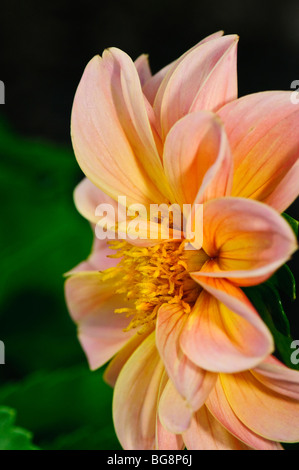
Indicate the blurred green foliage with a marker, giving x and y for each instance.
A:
(11, 437)
(45, 377)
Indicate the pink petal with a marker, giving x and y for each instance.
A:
(116, 364)
(207, 74)
(206, 433)
(100, 142)
(135, 397)
(278, 377)
(133, 115)
(218, 405)
(88, 197)
(151, 87)
(91, 303)
(98, 260)
(286, 191)
(175, 413)
(166, 440)
(247, 240)
(226, 68)
(163, 76)
(143, 68)
(224, 333)
(270, 414)
(197, 159)
(193, 383)
(264, 137)
(102, 211)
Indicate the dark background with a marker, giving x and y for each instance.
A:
(44, 48)
(46, 45)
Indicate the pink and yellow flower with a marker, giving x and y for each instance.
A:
(179, 317)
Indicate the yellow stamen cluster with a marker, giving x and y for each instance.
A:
(150, 277)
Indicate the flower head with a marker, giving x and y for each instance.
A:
(180, 137)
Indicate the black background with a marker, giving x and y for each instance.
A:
(46, 45)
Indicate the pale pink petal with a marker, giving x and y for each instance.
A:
(91, 303)
(100, 143)
(88, 197)
(264, 136)
(156, 130)
(224, 333)
(209, 70)
(143, 68)
(150, 84)
(151, 87)
(286, 190)
(116, 364)
(81, 267)
(156, 89)
(100, 257)
(166, 440)
(133, 115)
(197, 159)
(247, 240)
(206, 433)
(278, 377)
(270, 414)
(98, 260)
(218, 405)
(227, 69)
(109, 217)
(175, 413)
(193, 383)
(135, 397)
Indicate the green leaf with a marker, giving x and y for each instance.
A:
(293, 223)
(267, 301)
(67, 407)
(12, 437)
(283, 280)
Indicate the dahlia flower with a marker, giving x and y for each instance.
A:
(187, 338)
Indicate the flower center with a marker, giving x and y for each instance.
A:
(152, 276)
